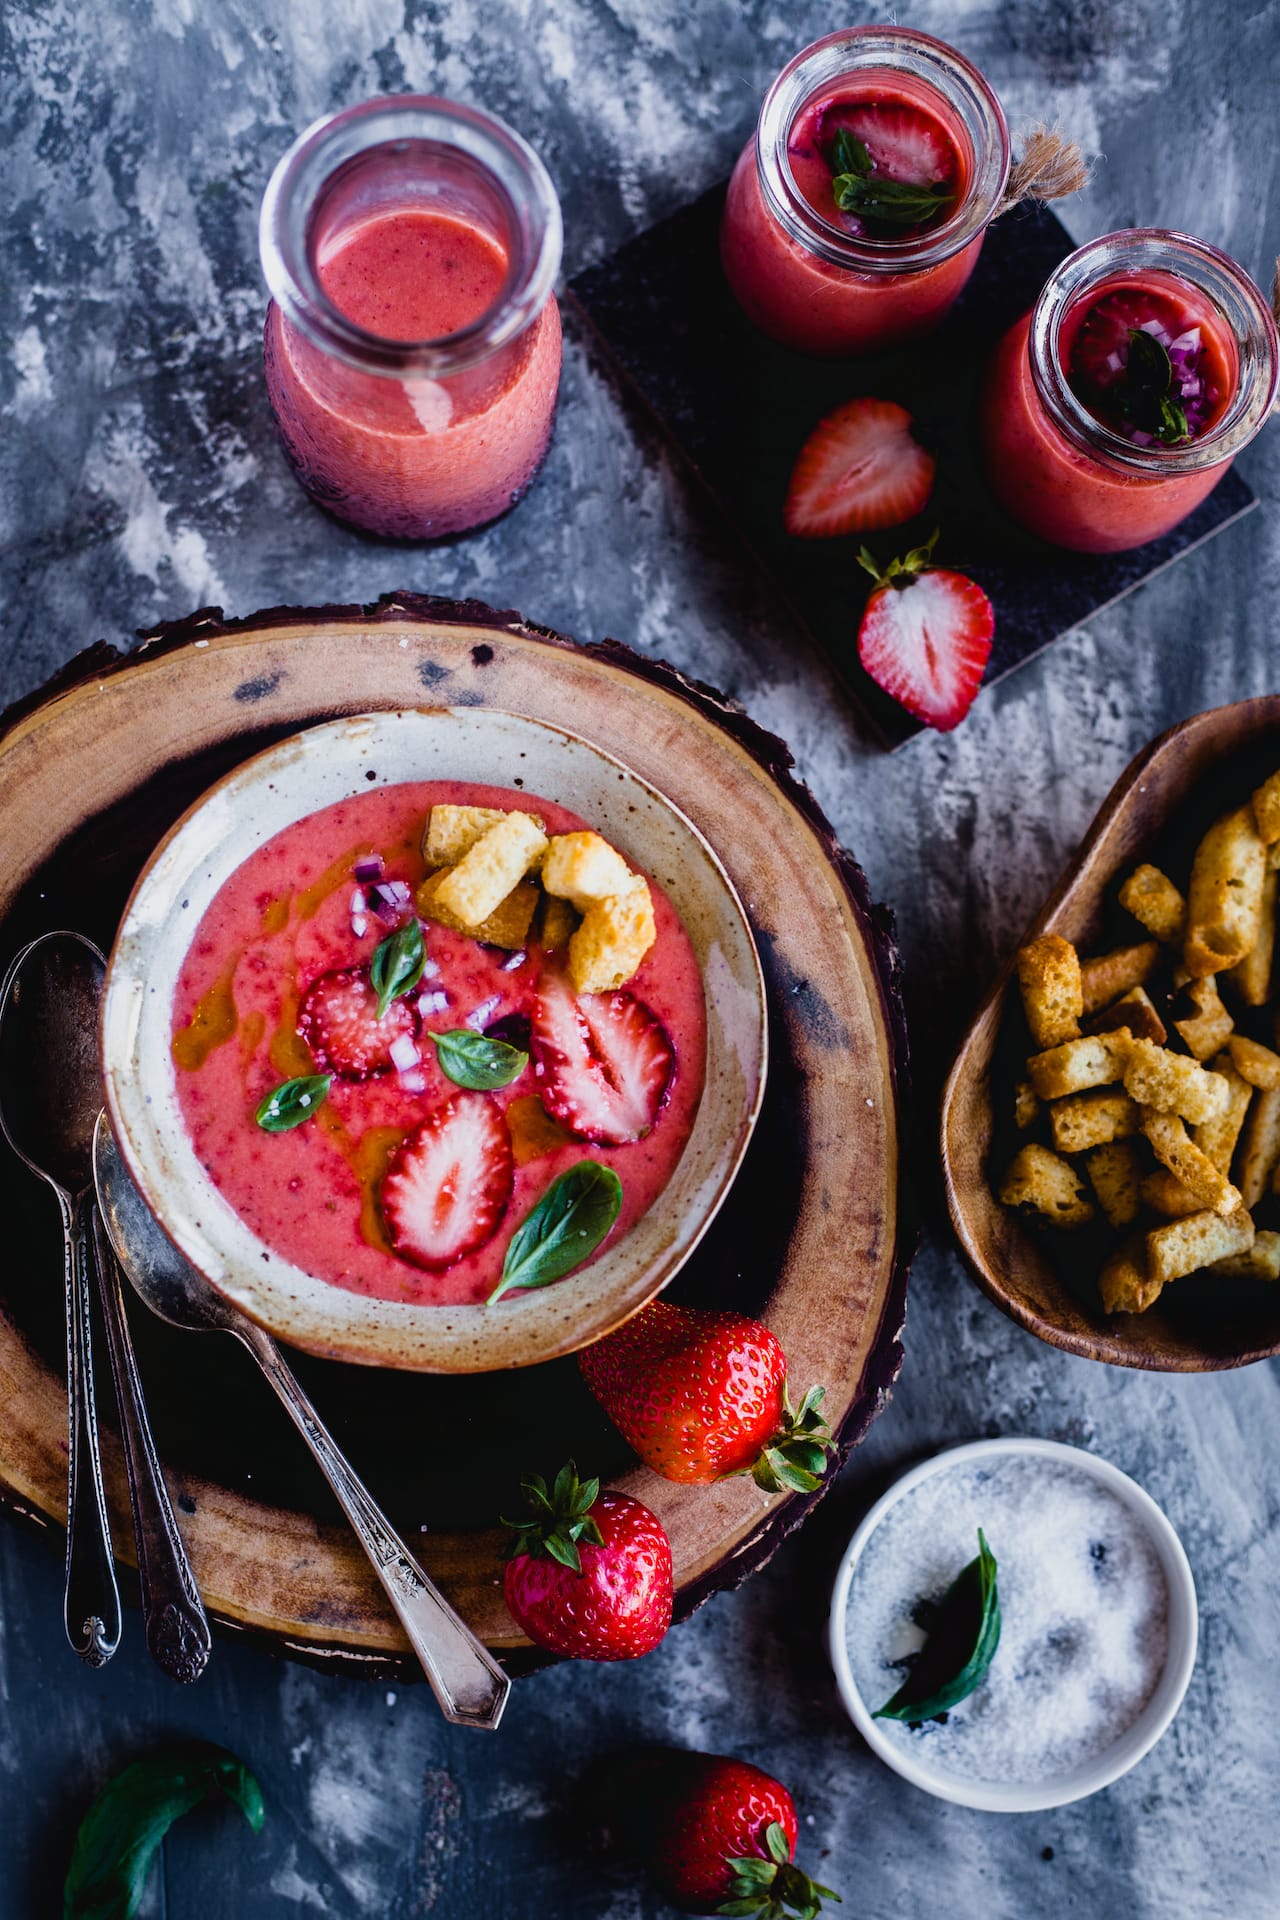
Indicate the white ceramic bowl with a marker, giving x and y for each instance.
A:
(315, 769)
(993, 1796)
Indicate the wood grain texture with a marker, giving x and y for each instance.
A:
(114, 728)
(1169, 792)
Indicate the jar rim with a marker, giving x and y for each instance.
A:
(1213, 274)
(961, 87)
(331, 142)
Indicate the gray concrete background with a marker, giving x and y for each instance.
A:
(139, 478)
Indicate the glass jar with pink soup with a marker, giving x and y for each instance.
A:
(1113, 407)
(856, 214)
(412, 342)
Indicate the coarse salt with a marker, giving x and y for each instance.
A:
(1084, 1609)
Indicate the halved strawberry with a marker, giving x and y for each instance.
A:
(603, 1064)
(448, 1185)
(338, 1019)
(861, 468)
(904, 142)
(925, 636)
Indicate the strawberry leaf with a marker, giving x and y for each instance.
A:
(557, 1521)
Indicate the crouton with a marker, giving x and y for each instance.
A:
(1255, 1063)
(1206, 1030)
(1112, 974)
(1124, 1284)
(1171, 1083)
(1251, 977)
(1115, 1170)
(488, 872)
(1266, 809)
(1135, 1012)
(1217, 1138)
(1153, 900)
(453, 831)
(1052, 995)
(584, 869)
(1261, 1261)
(1224, 900)
(507, 926)
(558, 924)
(1184, 1246)
(1043, 1183)
(1259, 1146)
(1164, 1193)
(1095, 1060)
(613, 939)
(1175, 1149)
(1026, 1107)
(1086, 1120)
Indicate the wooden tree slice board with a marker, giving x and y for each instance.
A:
(813, 1237)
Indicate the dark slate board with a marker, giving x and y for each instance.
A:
(739, 407)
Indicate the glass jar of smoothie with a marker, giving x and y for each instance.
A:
(856, 215)
(1112, 408)
(413, 339)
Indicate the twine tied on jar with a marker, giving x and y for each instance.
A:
(1050, 167)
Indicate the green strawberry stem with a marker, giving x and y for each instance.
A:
(795, 1459)
(557, 1519)
(774, 1888)
(900, 573)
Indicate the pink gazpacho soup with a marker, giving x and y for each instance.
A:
(376, 1157)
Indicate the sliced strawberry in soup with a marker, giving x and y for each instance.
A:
(449, 1183)
(603, 1063)
(338, 1019)
(861, 468)
(904, 143)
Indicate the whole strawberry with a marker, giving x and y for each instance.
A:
(702, 1395)
(721, 1838)
(589, 1573)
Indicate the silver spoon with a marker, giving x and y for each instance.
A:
(50, 1097)
(467, 1681)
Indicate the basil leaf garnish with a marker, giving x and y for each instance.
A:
(293, 1102)
(472, 1060)
(397, 964)
(962, 1641)
(849, 154)
(119, 1835)
(568, 1223)
(1148, 399)
(894, 203)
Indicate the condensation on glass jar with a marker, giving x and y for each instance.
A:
(1059, 470)
(805, 280)
(412, 343)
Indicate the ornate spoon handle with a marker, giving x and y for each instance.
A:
(178, 1634)
(92, 1605)
(467, 1681)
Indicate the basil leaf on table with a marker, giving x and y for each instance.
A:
(472, 1060)
(397, 964)
(962, 1642)
(568, 1223)
(119, 1835)
(289, 1104)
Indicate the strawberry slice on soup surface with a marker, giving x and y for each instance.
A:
(448, 1185)
(603, 1063)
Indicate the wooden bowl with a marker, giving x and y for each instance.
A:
(316, 769)
(812, 1236)
(1156, 811)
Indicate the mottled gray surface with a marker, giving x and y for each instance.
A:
(140, 479)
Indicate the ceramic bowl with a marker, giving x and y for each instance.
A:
(1137, 1740)
(315, 769)
(1166, 798)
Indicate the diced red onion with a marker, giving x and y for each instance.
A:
(1141, 439)
(1188, 342)
(369, 867)
(404, 1054)
(429, 1003)
(389, 898)
(514, 960)
(1114, 362)
(359, 925)
(480, 1016)
(1157, 332)
(413, 1082)
(430, 969)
